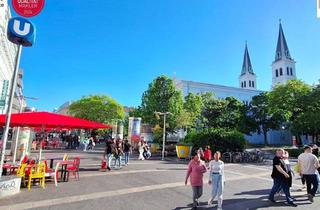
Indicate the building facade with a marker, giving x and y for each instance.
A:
(8, 52)
(283, 70)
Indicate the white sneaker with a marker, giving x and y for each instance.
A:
(219, 208)
(210, 202)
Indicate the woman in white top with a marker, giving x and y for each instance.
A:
(141, 145)
(216, 179)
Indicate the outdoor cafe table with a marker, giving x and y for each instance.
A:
(52, 158)
(64, 164)
(11, 167)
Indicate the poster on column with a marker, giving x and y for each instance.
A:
(23, 142)
(134, 131)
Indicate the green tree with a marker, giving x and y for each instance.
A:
(308, 120)
(223, 113)
(100, 108)
(162, 96)
(263, 119)
(289, 100)
(192, 107)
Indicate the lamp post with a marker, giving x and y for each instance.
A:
(164, 114)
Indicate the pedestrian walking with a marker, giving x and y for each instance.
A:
(201, 153)
(315, 150)
(308, 165)
(109, 152)
(288, 167)
(207, 154)
(216, 179)
(140, 148)
(127, 151)
(280, 178)
(118, 153)
(196, 169)
(146, 150)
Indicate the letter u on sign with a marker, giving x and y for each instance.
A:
(21, 31)
(17, 28)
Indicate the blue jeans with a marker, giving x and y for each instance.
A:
(109, 157)
(217, 184)
(280, 183)
(126, 157)
(119, 160)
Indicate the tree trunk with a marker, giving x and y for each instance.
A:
(265, 137)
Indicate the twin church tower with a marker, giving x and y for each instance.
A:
(283, 66)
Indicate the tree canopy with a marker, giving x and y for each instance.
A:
(100, 108)
(162, 96)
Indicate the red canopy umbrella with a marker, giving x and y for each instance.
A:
(50, 120)
(45, 120)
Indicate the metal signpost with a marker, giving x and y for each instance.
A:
(21, 32)
(164, 131)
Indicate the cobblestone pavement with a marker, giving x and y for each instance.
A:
(151, 185)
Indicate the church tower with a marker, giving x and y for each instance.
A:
(283, 67)
(247, 79)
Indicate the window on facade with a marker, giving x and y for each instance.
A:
(244, 84)
(277, 74)
(291, 72)
(281, 72)
(252, 83)
(249, 83)
(287, 70)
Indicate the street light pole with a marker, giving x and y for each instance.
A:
(164, 136)
(164, 131)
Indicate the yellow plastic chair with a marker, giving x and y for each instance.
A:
(65, 157)
(21, 172)
(37, 171)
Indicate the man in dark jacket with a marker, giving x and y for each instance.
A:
(280, 176)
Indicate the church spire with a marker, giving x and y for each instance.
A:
(282, 50)
(247, 79)
(246, 66)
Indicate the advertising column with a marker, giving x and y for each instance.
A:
(120, 130)
(134, 131)
(114, 129)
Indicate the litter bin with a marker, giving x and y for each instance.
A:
(154, 148)
(184, 151)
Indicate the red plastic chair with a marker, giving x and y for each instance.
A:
(24, 159)
(29, 166)
(74, 168)
(48, 170)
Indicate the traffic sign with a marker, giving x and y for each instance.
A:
(28, 8)
(21, 31)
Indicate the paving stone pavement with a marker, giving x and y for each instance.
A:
(151, 185)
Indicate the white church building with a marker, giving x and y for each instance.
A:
(283, 69)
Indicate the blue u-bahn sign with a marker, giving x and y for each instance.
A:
(21, 31)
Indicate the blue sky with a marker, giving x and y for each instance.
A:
(118, 47)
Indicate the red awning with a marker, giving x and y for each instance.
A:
(49, 120)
